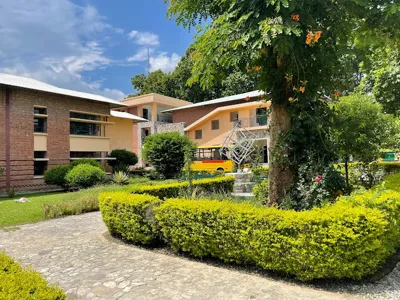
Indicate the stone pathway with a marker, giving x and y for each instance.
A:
(77, 253)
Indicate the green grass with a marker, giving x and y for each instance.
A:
(12, 213)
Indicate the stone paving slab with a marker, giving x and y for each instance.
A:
(77, 253)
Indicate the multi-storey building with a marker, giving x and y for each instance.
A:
(42, 126)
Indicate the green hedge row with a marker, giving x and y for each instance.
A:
(349, 239)
(24, 283)
(130, 216)
(209, 185)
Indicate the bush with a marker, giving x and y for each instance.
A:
(337, 241)
(260, 191)
(120, 178)
(24, 283)
(85, 176)
(392, 182)
(261, 172)
(130, 217)
(56, 175)
(86, 161)
(77, 206)
(166, 151)
(207, 186)
(140, 172)
(123, 158)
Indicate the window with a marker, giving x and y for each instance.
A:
(40, 119)
(198, 134)
(78, 128)
(77, 115)
(80, 154)
(145, 113)
(234, 116)
(39, 163)
(215, 124)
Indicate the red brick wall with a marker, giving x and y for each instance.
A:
(190, 115)
(22, 135)
(2, 136)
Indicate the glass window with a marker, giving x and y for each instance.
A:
(234, 116)
(78, 128)
(215, 124)
(39, 154)
(77, 115)
(198, 134)
(40, 125)
(39, 111)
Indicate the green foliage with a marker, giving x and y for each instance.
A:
(130, 216)
(77, 206)
(362, 129)
(392, 182)
(260, 191)
(120, 178)
(140, 172)
(85, 175)
(56, 175)
(24, 283)
(166, 152)
(123, 158)
(337, 241)
(202, 186)
(86, 161)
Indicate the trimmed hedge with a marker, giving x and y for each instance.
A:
(392, 182)
(338, 241)
(209, 185)
(130, 217)
(85, 176)
(24, 283)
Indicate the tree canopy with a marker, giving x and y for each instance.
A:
(297, 47)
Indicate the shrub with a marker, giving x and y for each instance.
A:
(260, 191)
(260, 172)
(56, 175)
(85, 176)
(130, 216)
(141, 172)
(123, 158)
(86, 161)
(207, 186)
(24, 283)
(337, 241)
(392, 182)
(120, 178)
(165, 152)
(77, 206)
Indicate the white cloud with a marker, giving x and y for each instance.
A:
(141, 55)
(56, 42)
(164, 62)
(144, 38)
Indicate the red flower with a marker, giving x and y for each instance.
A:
(319, 178)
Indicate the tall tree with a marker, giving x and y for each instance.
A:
(296, 45)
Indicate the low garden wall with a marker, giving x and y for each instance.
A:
(349, 239)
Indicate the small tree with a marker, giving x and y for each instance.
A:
(362, 129)
(124, 158)
(166, 152)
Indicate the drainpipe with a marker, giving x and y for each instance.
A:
(8, 139)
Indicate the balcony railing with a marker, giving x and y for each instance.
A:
(255, 121)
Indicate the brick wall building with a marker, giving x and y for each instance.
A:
(35, 129)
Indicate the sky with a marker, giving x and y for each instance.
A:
(92, 46)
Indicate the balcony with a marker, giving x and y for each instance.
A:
(255, 121)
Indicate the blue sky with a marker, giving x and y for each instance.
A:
(92, 46)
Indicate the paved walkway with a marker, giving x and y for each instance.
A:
(77, 253)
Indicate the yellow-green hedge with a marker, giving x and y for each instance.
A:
(130, 216)
(24, 283)
(338, 241)
(209, 185)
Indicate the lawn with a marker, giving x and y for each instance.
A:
(12, 213)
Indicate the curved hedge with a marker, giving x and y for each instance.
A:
(130, 217)
(209, 185)
(338, 241)
(24, 283)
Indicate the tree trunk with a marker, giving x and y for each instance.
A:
(280, 174)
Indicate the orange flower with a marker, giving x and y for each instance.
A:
(302, 89)
(337, 94)
(295, 17)
(256, 68)
(247, 98)
(317, 36)
(309, 39)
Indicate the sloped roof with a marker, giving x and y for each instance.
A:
(33, 84)
(220, 100)
(125, 115)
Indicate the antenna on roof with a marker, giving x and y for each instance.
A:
(148, 61)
